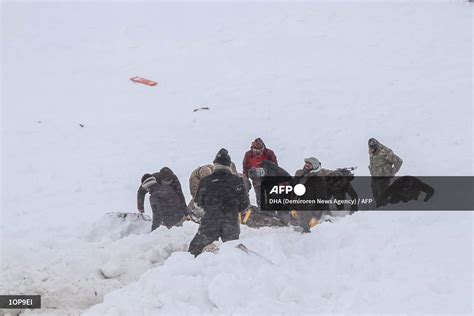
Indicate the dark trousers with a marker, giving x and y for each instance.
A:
(227, 227)
(157, 217)
(379, 185)
(160, 218)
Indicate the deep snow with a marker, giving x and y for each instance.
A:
(367, 263)
(309, 78)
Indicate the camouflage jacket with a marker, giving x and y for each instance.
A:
(384, 163)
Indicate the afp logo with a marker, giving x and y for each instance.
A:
(298, 189)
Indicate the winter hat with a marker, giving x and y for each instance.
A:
(222, 158)
(145, 176)
(166, 174)
(373, 143)
(258, 143)
(148, 181)
(314, 162)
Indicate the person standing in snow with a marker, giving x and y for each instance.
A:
(313, 178)
(383, 165)
(166, 198)
(223, 196)
(253, 159)
(196, 176)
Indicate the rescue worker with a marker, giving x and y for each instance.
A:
(383, 165)
(253, 158)
(223, 196)
(166, 198)
(313, 178)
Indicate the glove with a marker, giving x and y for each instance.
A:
(245, 216)
(313, 222)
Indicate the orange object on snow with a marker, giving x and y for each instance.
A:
(150, 83)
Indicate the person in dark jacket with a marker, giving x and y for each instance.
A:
(254, 217)
(166, 198)
(339, 186)
(223, 196)
(312, 176)
(408, 188)
(253, 159)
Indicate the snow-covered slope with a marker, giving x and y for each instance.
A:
(366, 263)
(309, 78)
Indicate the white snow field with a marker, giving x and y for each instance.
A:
(310, 78)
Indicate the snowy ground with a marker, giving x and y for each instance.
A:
(310, 79)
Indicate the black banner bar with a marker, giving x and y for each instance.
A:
(367, 193)
(20, 301)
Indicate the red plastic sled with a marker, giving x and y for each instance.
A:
(147, 82)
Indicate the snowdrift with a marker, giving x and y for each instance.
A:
(73, 274)
(116, 225)
(365, 263)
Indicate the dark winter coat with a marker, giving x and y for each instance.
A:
(260, 218)
(316, 186)
(222, 195)
(222, 192)
(339, 184)
(273, 170)
(166, 197)
(407, 188)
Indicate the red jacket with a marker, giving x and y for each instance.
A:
(252, 161)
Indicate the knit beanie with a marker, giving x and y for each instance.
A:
(222, 158)
(314, 162)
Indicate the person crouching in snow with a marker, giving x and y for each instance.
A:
(166, 198)
(254, 217)
(223, 196)
(313, 178)
(253, 159)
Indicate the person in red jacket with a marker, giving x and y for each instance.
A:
(253, 158)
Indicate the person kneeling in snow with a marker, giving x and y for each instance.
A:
(253, 159)
(254, 217)
(166, 198)
(313, 177)
(223, 196)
